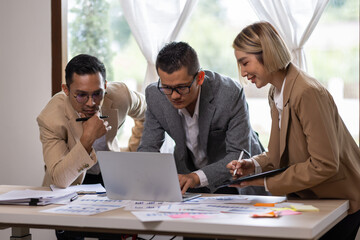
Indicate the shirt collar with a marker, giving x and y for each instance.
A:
(278, 96)
(184, 111)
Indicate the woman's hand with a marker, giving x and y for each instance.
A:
(243, 167)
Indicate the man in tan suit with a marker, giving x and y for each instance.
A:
(69, 146)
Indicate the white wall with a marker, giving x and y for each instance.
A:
(25, 88)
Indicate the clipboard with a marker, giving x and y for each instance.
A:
(254, 176)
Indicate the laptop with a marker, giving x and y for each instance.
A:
(146, 176)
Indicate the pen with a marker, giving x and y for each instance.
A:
(74, 198)
(241, 154)
(87, 118)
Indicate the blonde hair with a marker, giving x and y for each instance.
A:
(263, 40)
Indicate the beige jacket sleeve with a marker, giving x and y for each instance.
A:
(66, 160)
(129, 103)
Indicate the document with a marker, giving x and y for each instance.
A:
(266, 199)
(220, 199)
(82, 189)
(198, 208)
(35, 197)
(88, 205)
(145, 216)
(232, 208)
(143, 205)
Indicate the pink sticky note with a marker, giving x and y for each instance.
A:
(288, 212)
(183, 215)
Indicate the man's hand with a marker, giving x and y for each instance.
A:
(244, 167)
(93, 129)
(186, 181)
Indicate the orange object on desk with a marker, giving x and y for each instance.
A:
(265, 215)
(264, 204)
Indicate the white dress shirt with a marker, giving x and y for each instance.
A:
(191, 128)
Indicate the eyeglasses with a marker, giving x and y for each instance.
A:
(96, 96)
(182, 90)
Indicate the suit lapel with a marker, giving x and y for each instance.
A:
(174, 122)
(206, 113)
(285, 116)
(175, 129)
(284, 126)
(275, 131)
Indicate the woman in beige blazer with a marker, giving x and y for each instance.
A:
(307, 134)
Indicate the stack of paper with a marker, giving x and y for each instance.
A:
(202, 207)
(89, 205)
(82, 189)
(34, 197)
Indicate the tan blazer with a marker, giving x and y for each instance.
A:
(323, 158)
(66, 160)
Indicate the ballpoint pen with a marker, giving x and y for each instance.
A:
(74, 198)
(87, 118)
(241, 154)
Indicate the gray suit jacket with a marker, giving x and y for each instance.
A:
(224, 127)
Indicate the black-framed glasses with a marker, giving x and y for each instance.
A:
(83, 97)
(182, 90)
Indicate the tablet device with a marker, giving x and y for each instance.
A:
(254, 176)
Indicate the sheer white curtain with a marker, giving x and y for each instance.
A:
(154, 23)
(295, 20)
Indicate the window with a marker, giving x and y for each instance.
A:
(97, 27)
(332, 54)
(215, 51)
(333, 58)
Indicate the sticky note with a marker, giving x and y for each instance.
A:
(288, 212)
(305, 208)
(183, 215)
(281, 209)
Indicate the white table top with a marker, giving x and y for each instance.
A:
(308, 225)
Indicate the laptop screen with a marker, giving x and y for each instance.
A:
(140, 176)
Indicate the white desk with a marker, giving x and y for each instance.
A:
(309, 225)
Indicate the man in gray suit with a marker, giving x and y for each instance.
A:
(205, 113)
